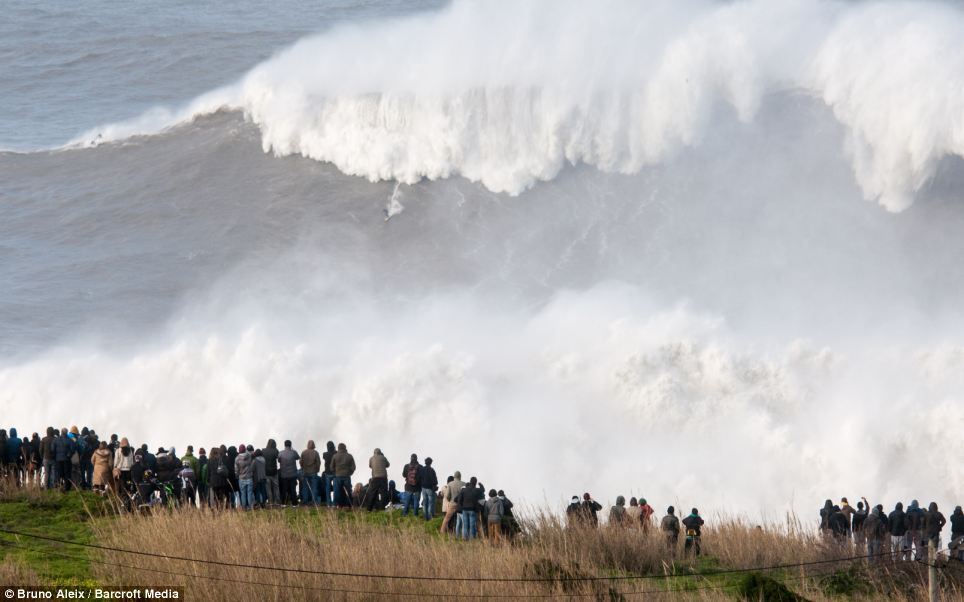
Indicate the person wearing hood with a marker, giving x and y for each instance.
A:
(311, 468)
(189, 460)
(123, 462)
(897, 524)
(49, 458)
(377, 494)
(494, 513)
(857, 525)
(957, 535)
(848, 512)
(270, 454)
(694, 525)
(449, 495)
(669, 526)
(3, 451)
(329, 475)
(633, 512)
(344, 465)
(32, 462)
(825, 513)
(645, 515)
(63, 449)
(413, 488)
(244, 468)
(14, 457)
(915, 528)
(876, 531)
(428, 480)
(934, 523)
(103, 464)
(617, 514)
(573, 512)
(260, 478)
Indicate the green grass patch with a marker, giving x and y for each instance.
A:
(50, 514)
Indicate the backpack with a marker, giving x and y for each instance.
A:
(222, 469)
(411, 475)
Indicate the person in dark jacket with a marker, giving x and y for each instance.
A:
(876, 532)
(897, 524)
(825, 513)
(839, 525)
(857, 525)
(914, 518)
(329, 476)
(14, 457)
(573, 512)
(957, 535)
(288, 474)
(934, 523)
(510, 526)
(49, 458)
(413, 489)
(203, 477)
(63, 450)
(218, 477)
(589, 509)
(270, 455)
(343, 464)
(669, 526)
(429, 483)
(693, 525)
(468, 502)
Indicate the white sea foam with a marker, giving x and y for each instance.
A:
(507, 94)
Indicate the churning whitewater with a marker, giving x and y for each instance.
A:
(622, 248)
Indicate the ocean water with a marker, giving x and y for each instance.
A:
(706, 253)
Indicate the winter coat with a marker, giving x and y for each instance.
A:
(428, 479)
(216, 480)
(190, 460)
(379, 465)
(468, 499)
(102, 467)
(260, 469)
(327, 457)
(62, 449)
(417, 485)
(13, 447)
(693, 524)
(874, 527)
(451, 490)
(914, 517)
(270, 461)
(934, 521)
(244, 466)
(310, 462)
(897, 522)
(121, 462)
(957, 523)
(168, 465)
(589, 509)
(669, 525)
(288, 463)
(343, 464)
(47, 448)
(494, 510)
(618, 515)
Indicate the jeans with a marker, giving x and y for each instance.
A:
(87, 473)
(329, 483)
(310, 493)
(274, 494)
(342, 491)
(260, 493)
(458, 524)
(428, 502)
(411, 500)
(50, 474)
(246, 489)
(468, 524)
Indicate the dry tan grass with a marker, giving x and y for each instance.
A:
(327, 541)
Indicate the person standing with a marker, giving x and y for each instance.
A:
(645, 515)
(428, 480)
(494, 512)
(574, 513)
(957, 534)
(344, 466)
(876, 532)
(260, 479)
(590, 507)
(450, 493)
(915, 527)
(311, 467)
(102, 462)
(288, 474)
(270, 455)
(203, 478)
(244, 468)
(189, 460)
(329, 476)
(857, 525)
(670, 529)
(49, 458)
(618, 517)
(468, 502)
(693, 524)
(378, 488)
(934, 523)
(897, 525)
(123, 463)
(410, 474)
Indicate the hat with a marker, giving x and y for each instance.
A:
(575, 498)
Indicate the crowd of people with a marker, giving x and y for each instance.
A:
(246, 478)
(901, 534)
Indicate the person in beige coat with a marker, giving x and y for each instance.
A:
(103, 465)
(450, 492)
